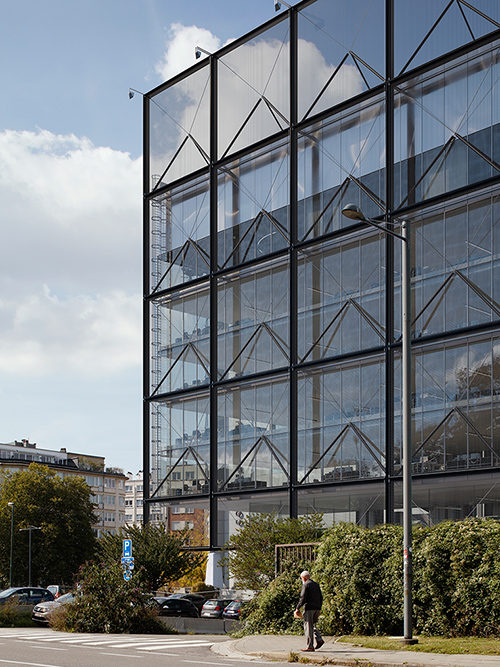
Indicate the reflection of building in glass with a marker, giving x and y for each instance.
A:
(274, 322)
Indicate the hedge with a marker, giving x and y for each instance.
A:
(456, 582)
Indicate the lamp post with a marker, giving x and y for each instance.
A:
(353, 212)
(11, 505)
(29, 529)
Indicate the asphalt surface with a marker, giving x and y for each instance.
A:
(279, 647)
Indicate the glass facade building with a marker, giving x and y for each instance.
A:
(272, 323)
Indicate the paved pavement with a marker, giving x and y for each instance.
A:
(278, 647)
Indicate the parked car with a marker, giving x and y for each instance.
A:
(214, 608)
(43, 611)
(57, 591)
(197, 600)
(233, 610)
(178, 607)
(25, 598)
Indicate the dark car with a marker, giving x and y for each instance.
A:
(233, 610)
(25, 598)
(178, 607)
(214, 608)
(43, 611)
(197, 600)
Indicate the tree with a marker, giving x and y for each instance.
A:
(63, 511)
(251, 550)
(160, 557)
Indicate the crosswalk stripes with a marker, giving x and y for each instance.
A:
(141, 643)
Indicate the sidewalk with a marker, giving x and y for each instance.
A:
(278, 647)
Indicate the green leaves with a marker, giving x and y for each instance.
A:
(159, 555)
(251, 549)
(64, 512)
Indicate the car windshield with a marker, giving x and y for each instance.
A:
(65, 598)
(211, 603)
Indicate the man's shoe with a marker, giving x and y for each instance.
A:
(307, 649)
(320, 644)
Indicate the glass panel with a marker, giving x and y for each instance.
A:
(179, 120)
(253, 436)
(353, 503)
(459, 498)
(454, 266)
(253, 321)
(232, 510)
(180, 341)
(341, 423)
(340, 53)
(455, 406)
(341, 161)
(180, 453)
(341, 305)
(189, 515)
(443, 120)
(426, 29)
(253, 206)
(180, 235)
(253, 90)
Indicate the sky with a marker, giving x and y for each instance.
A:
(70, 207)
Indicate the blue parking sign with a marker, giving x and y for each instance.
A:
(127, 548)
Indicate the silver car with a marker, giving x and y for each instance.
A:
(43, 611)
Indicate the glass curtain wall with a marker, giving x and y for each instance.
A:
(272, 322)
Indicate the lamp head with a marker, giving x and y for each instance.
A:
(130, 93)
(10, 504)
(277, 6)
(353, 212)
(197, 52)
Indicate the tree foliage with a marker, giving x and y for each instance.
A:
(64, 512)
(160, 556)
(251, 550)
(105, 602)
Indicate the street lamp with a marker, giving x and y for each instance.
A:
(11, 505)
(353, 212)
(30, 528)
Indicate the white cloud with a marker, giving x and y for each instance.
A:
(70, 270)
(181, 42)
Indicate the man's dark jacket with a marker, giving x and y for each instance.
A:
(310, 596)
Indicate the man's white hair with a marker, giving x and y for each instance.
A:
(305, 574)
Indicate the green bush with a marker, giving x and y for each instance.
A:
(10, 617)
(271, 612)
(457, 579)
(105, 602)
(360, 573)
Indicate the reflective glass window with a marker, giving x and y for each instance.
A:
(353, 503)
(341, 422)
(253, 201)
(445, 128)
(179, 121)
(253, 320)
(341, 53)
(341, 161)
(180, 455)
(180, 235)
(341, 303)
(180, 341)
(455, 406)
(232, 510)
(427, 29)
(253, 90)
(253, 435)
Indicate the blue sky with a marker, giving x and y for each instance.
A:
(70, 187)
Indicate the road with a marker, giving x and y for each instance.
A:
(45, 648)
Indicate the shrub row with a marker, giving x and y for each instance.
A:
(456, 582)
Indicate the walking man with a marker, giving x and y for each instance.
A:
(312, 599)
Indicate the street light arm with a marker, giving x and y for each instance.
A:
(353, 212)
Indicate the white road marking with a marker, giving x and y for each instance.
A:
(123, 655)
(31, 664)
